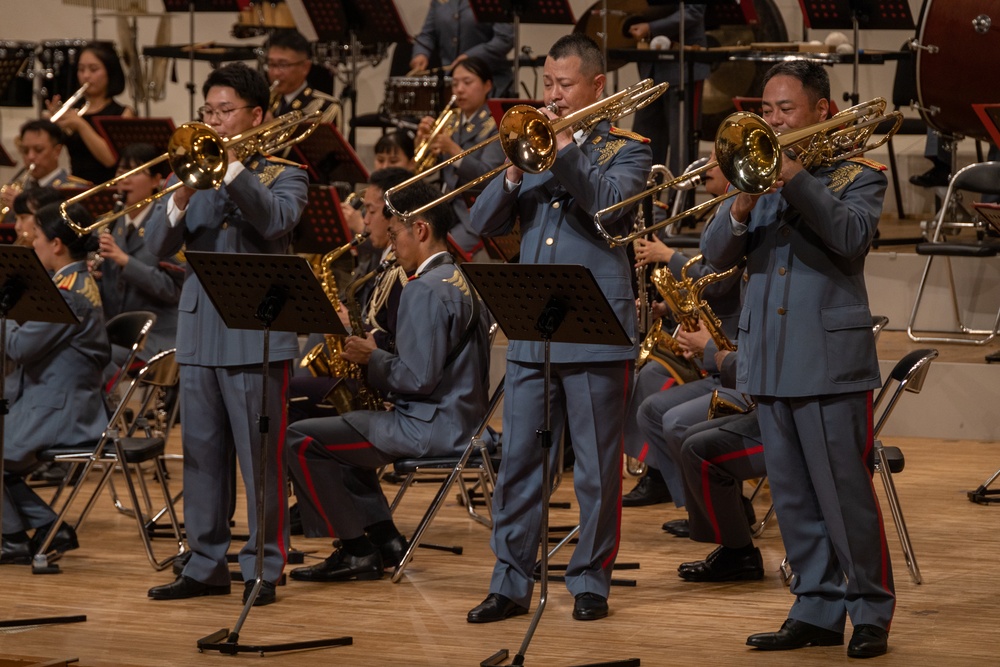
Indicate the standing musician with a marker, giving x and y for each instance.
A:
(805, 243)
(470, 84)
(254, 211)
(452, 33)
(437, 381)
(57, 374)
(590, 384)
(130, 276)
(91, 156)
(289, 59)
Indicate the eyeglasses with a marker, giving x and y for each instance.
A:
(282, 64)
(392, 233)
(207, 113)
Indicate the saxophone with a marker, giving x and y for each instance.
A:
(325, 360)
(683, 297)
(366, 397)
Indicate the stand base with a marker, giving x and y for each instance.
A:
(983, 493)
(228, 643)
(48, 620)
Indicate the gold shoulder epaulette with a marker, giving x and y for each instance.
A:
(74, 182)
(878, 166)
(619, 132)
(66, 281)
(288, 163)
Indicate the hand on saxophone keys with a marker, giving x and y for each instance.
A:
(359, 350)
(693, 342)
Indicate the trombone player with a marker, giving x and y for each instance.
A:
(807, 356)
(591, 385)
(253, 211)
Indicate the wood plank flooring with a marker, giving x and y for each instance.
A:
(949, 620)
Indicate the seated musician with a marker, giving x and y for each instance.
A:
(130, 276)
(289, 59)
(437, 381)
(471, 85)
(26, 205)
(395, 149)
(662, 481)
(41, 145)
(55, 385)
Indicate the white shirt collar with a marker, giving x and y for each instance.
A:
(290, 97)
(420, 269)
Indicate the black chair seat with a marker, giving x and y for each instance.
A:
(684, 241)
(137, 450)
(407, 466)
(958, 249)
(894, 455)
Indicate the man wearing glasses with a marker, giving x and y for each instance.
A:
(288, 63)
(253, 211)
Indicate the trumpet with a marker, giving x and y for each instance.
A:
(749, 154)
(17, 184)
(197, 155)
(528, 139)
(71, 102)
(445, 123)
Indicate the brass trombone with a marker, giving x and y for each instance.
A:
(197, 155)
(528, 139)
(749, 154)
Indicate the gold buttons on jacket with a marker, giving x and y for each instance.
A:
(781, 271)
(549, 241)
(225, 225)
(555, 204)
(782, 311)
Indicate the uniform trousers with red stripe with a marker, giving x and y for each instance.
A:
(219, 410)
(819, 456)
(334, 468)
(651, 379)
(592, 399)
(716, 456)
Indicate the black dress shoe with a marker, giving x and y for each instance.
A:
(651, 490)
(678, 528)
(936, 176)
(868, 641)
(393, 551)
(495, 607)
(795, 634)
(186, 587)
(725, 564)
(265, 596)
(64, 540)
(16, 552)
(590, 607)
(342, 566)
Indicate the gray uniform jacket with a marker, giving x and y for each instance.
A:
(805, 327)
(144, 283)
(255, 213)
(451, 29)
(556, 209)
(55, 387)
(437, 407)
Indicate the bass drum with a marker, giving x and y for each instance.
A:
(962, 71)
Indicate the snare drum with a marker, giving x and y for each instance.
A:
(17, 65)
(416, 95)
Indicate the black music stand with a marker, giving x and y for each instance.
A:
(852, 15)
(531, 302)
(192, 6)
(322, 226)
(251, 291)
(15, 67)
(120, 132)
(554, 12)
(27, 294)
(329, 157)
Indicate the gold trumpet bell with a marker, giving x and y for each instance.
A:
(746, 151)
(197, 155)
(527, 139)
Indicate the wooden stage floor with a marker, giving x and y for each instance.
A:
(950, 619)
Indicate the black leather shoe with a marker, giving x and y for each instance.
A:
(868, 641)
(265, 596)
(393, 551)
(186, 587)
(795, 634)
(936, 176)
(590, 607)
(495, 607)
(678, 528)
(180, 562)
(341, 566)
(16, 552)
(651, 490)
(64, 540)
(725, 565)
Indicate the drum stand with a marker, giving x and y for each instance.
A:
(983, 493)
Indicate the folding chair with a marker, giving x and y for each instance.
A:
(476, 460)
(129, 331)
(125, 453)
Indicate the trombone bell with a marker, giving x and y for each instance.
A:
(746, 150)
(197, 155)
(527, 139)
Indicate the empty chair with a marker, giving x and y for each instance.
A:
(127, 333)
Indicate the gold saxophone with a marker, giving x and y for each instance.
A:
(366, 397)
(683, 297)
(721, 407)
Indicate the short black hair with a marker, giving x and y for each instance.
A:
(578, 44)
(386, 178)
(248, 83)
(50, 221)
(400, 139)
(441, 218)
(138, 153)
(813, 76)
(35, 198)
(46, 126)
(289, 39)
(105, 52)
(477, 66)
